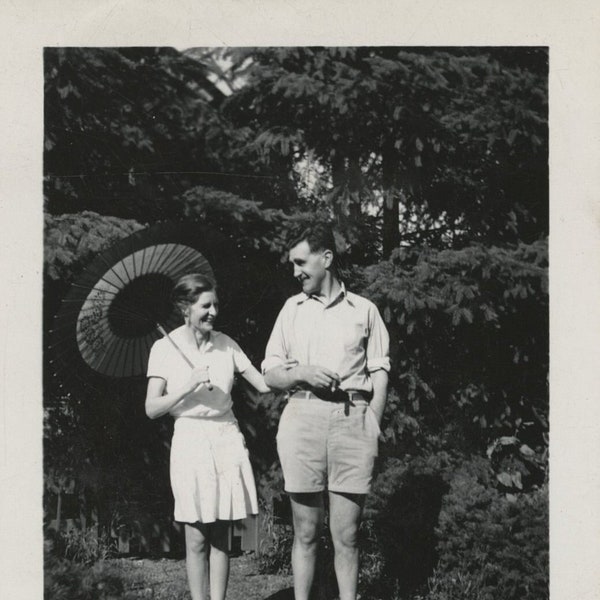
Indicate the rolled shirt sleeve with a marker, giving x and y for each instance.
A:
(378, 344)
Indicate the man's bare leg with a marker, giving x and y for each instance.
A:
(307, 512)
(345, 511)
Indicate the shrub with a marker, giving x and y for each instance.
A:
(66, 580)
(440, 528)
(274, 556)
(86, 547)
(490, 545)
(398, 533)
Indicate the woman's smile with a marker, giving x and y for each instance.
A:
(202, 314)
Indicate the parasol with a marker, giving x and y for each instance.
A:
(109, 319)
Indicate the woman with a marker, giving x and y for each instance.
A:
(211, 476)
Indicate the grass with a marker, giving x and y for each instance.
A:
(165, 579)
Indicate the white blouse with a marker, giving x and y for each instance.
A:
(221, 355)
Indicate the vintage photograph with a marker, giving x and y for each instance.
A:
(296, 323)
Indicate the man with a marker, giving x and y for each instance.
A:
(328, 433)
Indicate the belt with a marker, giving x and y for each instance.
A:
(347, 396)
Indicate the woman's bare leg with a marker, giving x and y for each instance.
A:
(196, 559)
(219, 559)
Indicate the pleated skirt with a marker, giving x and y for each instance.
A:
(211, 475)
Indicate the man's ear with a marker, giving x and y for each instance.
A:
(328, 256)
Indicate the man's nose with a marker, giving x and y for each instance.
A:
(297, 271)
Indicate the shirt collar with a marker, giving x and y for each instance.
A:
(191, 343)
(343, 293)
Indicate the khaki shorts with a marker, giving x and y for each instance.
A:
(327, 445)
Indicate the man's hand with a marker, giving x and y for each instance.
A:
(318, 377)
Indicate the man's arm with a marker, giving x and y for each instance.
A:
(279, 369)
(284, 378)
(379, 379)
(378, 361)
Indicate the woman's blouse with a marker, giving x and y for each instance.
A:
(221, 355)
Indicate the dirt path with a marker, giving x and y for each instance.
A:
(165, 579)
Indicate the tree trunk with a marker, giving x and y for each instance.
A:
(391, 211)
(58, 509)
(338, 171)
(355, 184)
(338, 176)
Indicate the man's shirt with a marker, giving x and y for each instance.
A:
(347, 336)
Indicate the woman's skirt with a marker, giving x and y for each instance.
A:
(211, 476)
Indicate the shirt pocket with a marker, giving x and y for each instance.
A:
(355, 333)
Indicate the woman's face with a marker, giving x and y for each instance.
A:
(201, 315)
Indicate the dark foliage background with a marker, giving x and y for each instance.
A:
(432, 164)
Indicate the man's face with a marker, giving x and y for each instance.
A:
(309, 267)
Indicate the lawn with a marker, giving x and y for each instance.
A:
(165, 579)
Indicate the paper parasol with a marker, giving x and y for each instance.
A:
(108, 320)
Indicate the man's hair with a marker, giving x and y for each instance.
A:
(318, 236)
(188, 288)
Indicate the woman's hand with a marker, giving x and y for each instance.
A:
(198, 377)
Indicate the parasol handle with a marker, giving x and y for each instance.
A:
(181, 353)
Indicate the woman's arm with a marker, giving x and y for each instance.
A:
(158, 405)
(256, 380)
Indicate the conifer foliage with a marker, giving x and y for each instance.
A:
(432, 164)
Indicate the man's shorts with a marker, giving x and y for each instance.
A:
(327, 445)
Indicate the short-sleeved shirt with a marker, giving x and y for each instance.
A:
(221, 355)
(347, 336)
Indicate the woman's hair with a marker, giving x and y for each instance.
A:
(188, 288)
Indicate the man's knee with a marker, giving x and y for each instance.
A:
(306, 533)
(344, 519)
(307, 510)
(307, 529)
(345, 537)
